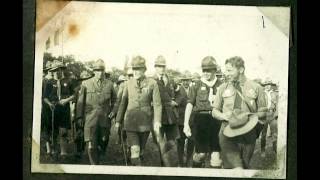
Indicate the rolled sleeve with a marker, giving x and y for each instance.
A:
(192, 95)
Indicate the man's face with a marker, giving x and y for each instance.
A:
(57, 74)
(208, 74)
(98, 74)
(138, 72)
(267, 87)
(232, 73)
(185, 83)
(160, 70)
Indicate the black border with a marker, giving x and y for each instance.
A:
(28, 75)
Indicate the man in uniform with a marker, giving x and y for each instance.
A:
(239, 103)
(202, 127)
(100, 98)
(57, 95)
(136, 113)
(169, 121)
(271, 116)
(121, 81)
(79, 112)
(181, 96)
(45, 110)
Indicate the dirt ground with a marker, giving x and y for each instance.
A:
(114, 155)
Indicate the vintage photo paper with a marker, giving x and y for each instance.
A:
(81, 34)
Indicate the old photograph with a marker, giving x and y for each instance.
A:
(161, 89)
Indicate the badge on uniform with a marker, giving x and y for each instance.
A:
(65, 84)
(228, 92)
(252, 93)
(203, 88)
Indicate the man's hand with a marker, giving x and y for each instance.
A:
(227, 115)
(173, 103)
(51, 106)
(63, 101)
(187, 130)
(157, 126)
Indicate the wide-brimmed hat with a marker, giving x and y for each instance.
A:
(208, 63)
(138, 62)
(98, 65)
(160, 61)
(47, 66)
(240, 124)
(85, 75)
(56, 65)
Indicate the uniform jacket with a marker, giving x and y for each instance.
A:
(181, 98)
(169, 113)
(136, 105)
(199, 95)
(100, 99)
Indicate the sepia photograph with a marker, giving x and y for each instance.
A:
(160, 89)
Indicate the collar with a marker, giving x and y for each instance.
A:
(209, 83)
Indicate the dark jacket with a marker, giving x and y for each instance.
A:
(181, 98)
(169, 113)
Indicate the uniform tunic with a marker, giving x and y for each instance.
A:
(204, 127)
(100, 99)
(238, 151)
(61, 112)
(136, 106)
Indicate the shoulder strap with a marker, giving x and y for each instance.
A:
(246, 102)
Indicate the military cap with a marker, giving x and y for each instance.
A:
(56, 65)
(160, 61)
(138, 62)
(208, 63)
(186, 77)
(98, 65)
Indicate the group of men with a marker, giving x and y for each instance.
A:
(207, 123)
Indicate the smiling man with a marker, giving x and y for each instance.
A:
(239, 103)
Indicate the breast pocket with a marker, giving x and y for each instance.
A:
(228, 98)
(202, 95)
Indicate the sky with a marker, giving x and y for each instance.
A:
(184, 35)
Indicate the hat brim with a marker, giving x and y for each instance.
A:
(233, 132)
(55, 68)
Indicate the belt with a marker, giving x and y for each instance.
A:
(204, 112)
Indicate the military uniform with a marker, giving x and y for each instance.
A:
(181, 97)
(54, 91)
(237, 151)
(169, 114)
(271, 119)
(100, 98)
(136, 112)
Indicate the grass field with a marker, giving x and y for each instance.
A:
(114, 155)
